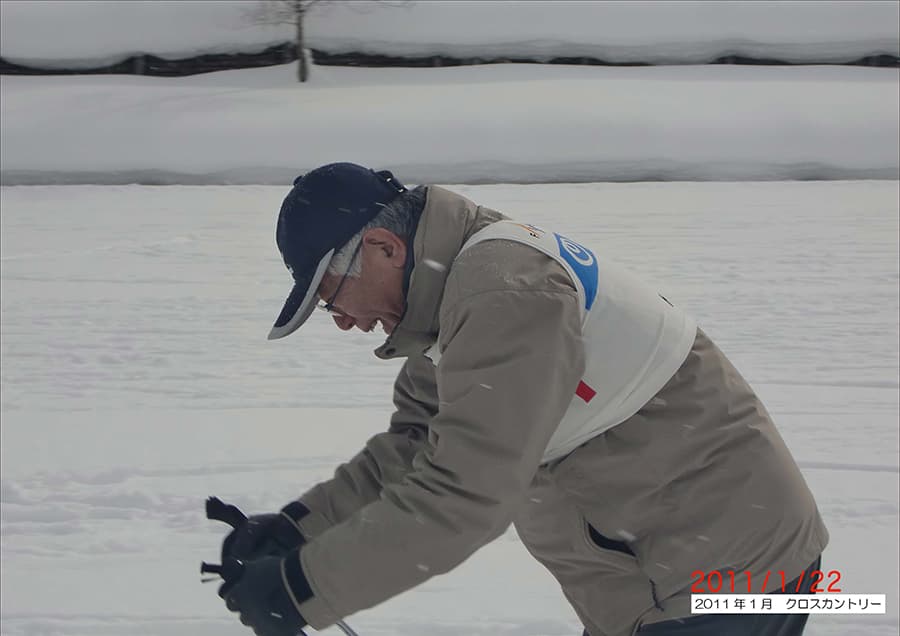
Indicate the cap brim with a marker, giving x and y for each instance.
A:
(301, 302)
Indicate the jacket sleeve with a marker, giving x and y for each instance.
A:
(386, 458)
(511, 360)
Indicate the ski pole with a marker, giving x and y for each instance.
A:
(231, 571)
(344, 627)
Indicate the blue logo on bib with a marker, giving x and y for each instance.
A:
(583, 262)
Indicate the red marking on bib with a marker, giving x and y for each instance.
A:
(585, 392)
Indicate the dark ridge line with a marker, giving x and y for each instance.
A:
(360, 59)
(869, 468)
(154, 65)
(152, 177)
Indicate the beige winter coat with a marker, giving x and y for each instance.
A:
(699, 479)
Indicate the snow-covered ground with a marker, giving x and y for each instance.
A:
(483, 124)
(71, 33)
(136, 380)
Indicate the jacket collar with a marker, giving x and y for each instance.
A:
(447, 222)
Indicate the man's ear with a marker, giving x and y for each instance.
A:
(388, 244)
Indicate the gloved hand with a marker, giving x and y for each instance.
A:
(270, 534)
(256, 591)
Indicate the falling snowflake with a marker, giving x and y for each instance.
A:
(440, 267)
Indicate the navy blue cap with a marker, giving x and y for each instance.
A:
(324, 210)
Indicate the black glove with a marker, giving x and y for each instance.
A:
(271, 534)
(256, 591)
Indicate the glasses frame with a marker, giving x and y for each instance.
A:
(328, 305)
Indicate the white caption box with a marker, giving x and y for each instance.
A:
(787, 603)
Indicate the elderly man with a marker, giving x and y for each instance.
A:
(542, 386)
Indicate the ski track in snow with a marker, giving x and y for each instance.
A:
(136, 381)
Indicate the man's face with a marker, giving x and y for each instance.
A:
(377, 294)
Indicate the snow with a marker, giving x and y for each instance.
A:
(496, 123)
(67, 33)
(660, 31)
(137, 380)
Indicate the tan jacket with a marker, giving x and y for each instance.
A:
(698, 479)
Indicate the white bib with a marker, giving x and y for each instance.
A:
(634, 339)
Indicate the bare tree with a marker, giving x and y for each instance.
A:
(293, 12)
(277, 12)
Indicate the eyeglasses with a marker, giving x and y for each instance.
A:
(328, 305)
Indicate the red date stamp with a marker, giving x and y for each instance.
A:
(731, 582)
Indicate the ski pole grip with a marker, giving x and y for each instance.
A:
(210, 568)
(218, 510)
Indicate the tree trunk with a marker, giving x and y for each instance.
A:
(302, 70)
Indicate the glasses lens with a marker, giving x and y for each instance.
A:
(329, 304)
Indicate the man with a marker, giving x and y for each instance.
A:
(542, 386)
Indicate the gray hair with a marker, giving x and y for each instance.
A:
(399, 218)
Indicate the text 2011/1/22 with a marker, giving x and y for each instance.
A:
(731, 582)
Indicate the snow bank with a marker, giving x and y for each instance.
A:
(56, 34)
(65, 33)
(498, 123)
(656, 32)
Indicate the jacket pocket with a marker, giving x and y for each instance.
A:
(605, 543)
